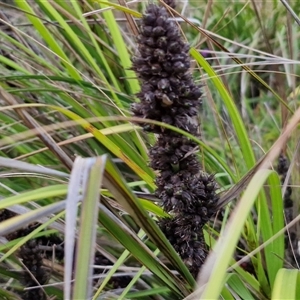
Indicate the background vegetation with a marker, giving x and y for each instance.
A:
(67, 137)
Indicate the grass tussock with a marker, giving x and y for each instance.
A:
(149, 150)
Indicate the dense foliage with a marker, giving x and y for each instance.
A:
(149, 150)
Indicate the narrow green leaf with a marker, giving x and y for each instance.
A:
(108, 144)
(33, 195)
(233, 112)
(117, 186)
(238, 287)
(287, 285)
(87, 232)
(121, 48)
(48, 37)
(218, 261)
(274, 252)
(129, 240)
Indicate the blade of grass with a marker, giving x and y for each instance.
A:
(218, 261)
(117, 264)
(109, 145)
(235, 116)
(48, 37)
(236, 284)
(78, 176)
(121, 48)
(52, 9)
(139, 250)
(15, 223)
(34, 195)
(274, 252)
(87, 234)
(134, 280)
(116, 184)
(121, 8)
(287, 285)
(20, 165)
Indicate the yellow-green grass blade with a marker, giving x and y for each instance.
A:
(121, 8)
(123, 194)
(287, 285)
(89, 90)
(153, 208)
(12, 163)
(117, 264)
(35, 195)
(6, 61)
(7, 295)
(134, 280)
(66, 99)
(148, 205)
(35, 57)
(121, 49)
(253, 283)
(234, 114)
(105, 91)
(122, 128)
(16, 223)
(241, 133)
(274, 252)
(10, 244)
(62, 97)
(214, 270)
(125, 61)
(109, 275)
(133, 155)
(147, 293)
(104, 140)
(278, 217)
(50, 8)
(139, 250)
(225, 294)
(212, 156)
(252, 239)
(237, 285)
(48, 37)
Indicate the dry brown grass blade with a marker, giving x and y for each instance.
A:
(32, 124)
(131, 22)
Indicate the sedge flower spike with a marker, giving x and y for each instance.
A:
(168, 94)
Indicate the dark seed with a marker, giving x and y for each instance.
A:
(158, 31)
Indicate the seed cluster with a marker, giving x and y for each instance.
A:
(168, 94)
(32, 255)
(171, 3)
(32, 258)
